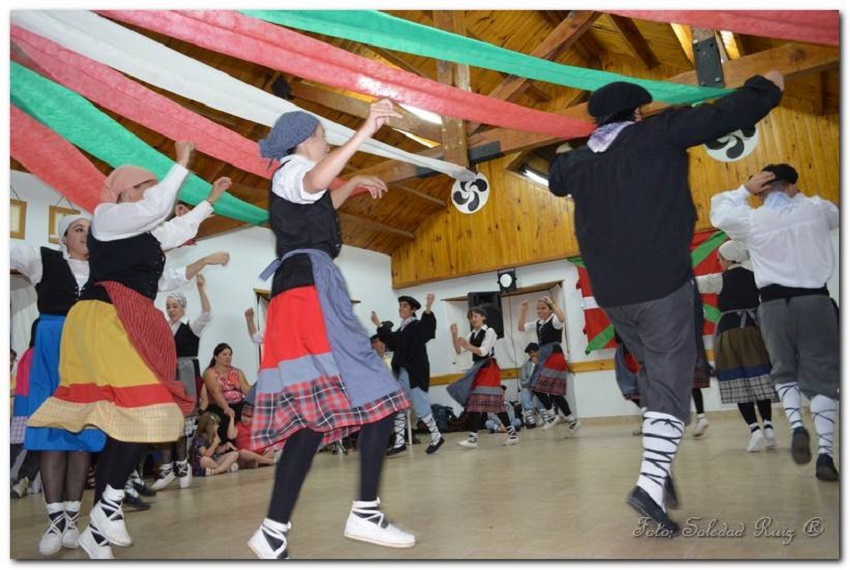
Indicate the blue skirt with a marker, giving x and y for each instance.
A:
(44, 380)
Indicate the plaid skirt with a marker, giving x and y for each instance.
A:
(702, 376)
(300, 385)
(743, 366)
(17, 429)
(553, 375)
(487, 395)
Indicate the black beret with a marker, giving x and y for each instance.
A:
(617, 97)
(532, 347)
(784, 172)
(414, 304)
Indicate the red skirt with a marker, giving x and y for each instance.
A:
(310, 394)
(553, 375)
(487, 395)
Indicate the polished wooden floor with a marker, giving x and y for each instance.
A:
(547, 498)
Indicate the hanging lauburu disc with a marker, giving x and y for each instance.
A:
(470, 196)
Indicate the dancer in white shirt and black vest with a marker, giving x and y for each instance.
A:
(549, 380)
(411, 366)
(479, 391)
(319, 378)
(187, 339)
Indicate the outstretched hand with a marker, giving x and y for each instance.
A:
(376, 187)
(375, 320)
(219, 187)
(184, 151)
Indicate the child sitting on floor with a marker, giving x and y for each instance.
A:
(209, 456)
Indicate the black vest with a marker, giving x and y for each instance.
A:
(186, 341)
(546, 333)
(135, 262)
(302, 226)
(475, 340)
(58, 290)
(739, 290)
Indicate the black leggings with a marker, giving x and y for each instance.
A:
(116, 463)
(748, 411)
(63, 475)
(548, 399)
(297, 457)
(475, 420)
(698, 404)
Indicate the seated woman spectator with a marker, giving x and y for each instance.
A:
(209, 456)
(225, 388)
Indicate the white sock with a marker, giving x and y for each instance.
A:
(72, 506)
(274, 525)
(432, 427)
(700, 417)
(789, 395)
(571, 420)
(754, 427)
(114, 495)
(824, 411)
(55, 508)
(661, 436)
(398, 428)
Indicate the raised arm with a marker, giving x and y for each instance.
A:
(555, 309)
(180, 229)
(455, 338)
(427, 329)
(331, 166)
(27, 260)
(200, 323)
(523, 311)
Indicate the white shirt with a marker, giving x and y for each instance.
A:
(788, 238)
(257, 337)
(197, 326)
(288, 181)
(118, 221)
(27, 260)
(489, 340)
(711, 283)
(532, 326)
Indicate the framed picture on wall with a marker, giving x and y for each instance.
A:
(18, 219)
(56, 215)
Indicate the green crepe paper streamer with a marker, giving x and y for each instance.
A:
(74, 118)
(379, 29)
(599, 341)
(699, 254)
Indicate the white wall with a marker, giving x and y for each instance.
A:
(368, 274)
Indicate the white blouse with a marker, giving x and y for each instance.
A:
(288, 181)
(489, 340)
(532, 326)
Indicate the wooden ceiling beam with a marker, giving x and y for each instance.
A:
(563, 37)
(793, 59)
(634, 41)
(360, 108)
(686, 40)
(455, 75)
(376, 226)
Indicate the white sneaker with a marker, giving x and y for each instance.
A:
(702, 425)
(163, 481)
(755, 441)
(769, 438)
(512, 439)
(551, 422)
(51, 540)
(19, 489)
(108, 518)
(367, 524)
(96, 547)
(71, 534)
(184, 474)
(470, 442)
(270, 544)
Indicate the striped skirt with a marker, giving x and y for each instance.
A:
(553, 375)
(106, 383)
(53, 331)
(301, 385)
(743, 366)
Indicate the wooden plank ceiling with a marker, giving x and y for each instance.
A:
(579, 38)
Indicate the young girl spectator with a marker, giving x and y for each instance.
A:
(480, 389)
(209, 455)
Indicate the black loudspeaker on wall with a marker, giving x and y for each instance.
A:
(491, 302)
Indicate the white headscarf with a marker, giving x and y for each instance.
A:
(179, 297)
(66, 222)
(736, 252)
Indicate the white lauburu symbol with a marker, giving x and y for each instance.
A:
(733, 146)
(471, 195)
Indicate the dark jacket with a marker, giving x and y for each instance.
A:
(408, 348)
(634, 216)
